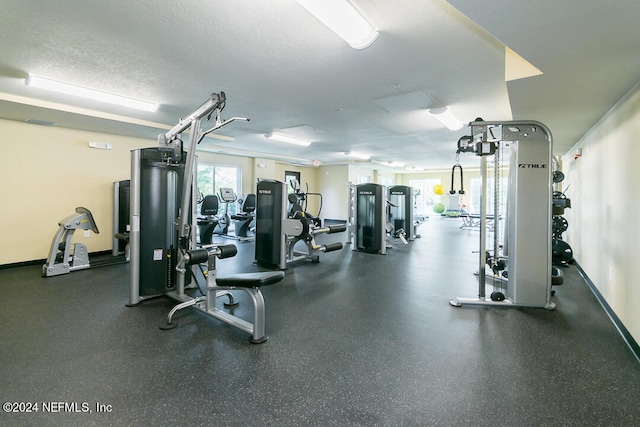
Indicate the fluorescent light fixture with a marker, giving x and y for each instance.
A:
(288, 139)
(396, 164)
(359, 156)
(344, 20)
(447, 118)
(83, 92)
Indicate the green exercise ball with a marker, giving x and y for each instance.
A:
(438, 208)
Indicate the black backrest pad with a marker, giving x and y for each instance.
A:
(209, 205)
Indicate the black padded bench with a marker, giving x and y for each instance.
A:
(250, 280)
(251, 284)
(220, 286)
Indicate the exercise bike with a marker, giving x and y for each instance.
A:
(212, 221)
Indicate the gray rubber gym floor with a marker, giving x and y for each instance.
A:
(357, 339)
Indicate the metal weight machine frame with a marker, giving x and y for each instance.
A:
(404, 197)
(354, 228)
(188, 256)
(528, 231)
(172, 145)
(277, 234)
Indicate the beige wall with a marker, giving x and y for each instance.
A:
(602, 186)
(264, 169)
(47, 172)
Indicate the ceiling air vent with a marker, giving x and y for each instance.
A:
(39, 122)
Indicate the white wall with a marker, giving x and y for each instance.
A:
(332, 181)
(604, 185)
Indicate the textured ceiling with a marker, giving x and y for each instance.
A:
(282, 68)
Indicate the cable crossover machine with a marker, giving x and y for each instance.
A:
(523, 262)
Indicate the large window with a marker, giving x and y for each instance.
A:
(425, 198)
(211, 178)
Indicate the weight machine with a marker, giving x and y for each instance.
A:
(165, 259)
(368, 218)
(526, 252)
(278, 231)
(401, 212)
(121, 216)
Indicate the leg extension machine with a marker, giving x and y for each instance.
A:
(278, 230)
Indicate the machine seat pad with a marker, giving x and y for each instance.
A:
(251, 280)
